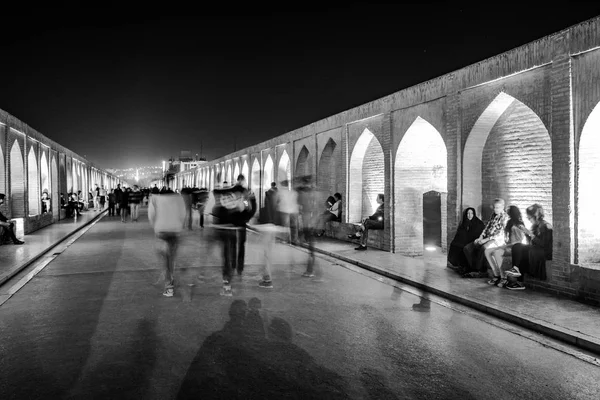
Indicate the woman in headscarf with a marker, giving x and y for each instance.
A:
(469, 229)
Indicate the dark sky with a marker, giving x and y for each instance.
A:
(126, 91)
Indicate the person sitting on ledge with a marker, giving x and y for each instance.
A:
(7, 229)
(332, 213)
(469, 229)
(375, 221)
(531, 258)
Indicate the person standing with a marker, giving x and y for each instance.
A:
(166, 213)
(124, 204)
(186, 194)
(97, 198)
(7, 228)
(111, 203)
(102, 197)
(135, 199)
(307, 206)
(118, 197)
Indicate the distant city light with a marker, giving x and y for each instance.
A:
(430, 248)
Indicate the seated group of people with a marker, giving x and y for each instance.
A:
(475, 245)
(7, 227)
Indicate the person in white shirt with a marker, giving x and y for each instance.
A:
(166, 213)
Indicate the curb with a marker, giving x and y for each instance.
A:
(14, 272)
(582, 341)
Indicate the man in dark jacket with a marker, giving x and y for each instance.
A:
(375, 221)
(7, 228)
(234, 207)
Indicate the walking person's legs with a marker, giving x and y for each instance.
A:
(241, 249)
(268, 239)
(309, 236)
(228, 238)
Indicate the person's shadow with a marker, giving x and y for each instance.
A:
(246, 361)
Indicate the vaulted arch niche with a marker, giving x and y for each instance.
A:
(2, 171)
(267, 175)
(420, 190)
(17, 182)
(228, 176)
(327, 170)
(236, 172)
(45, 185)
(508, 155)
(365, 178)
(303, 163)
(255, 180)
(33, 184)
(284, 170)
(245, 171)
(54, 188)
(588, 213)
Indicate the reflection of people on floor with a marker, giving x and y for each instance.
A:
(423, 306)
(469, 229)
(492, 236)
(531, 258)
(7, 228)
(375, 221)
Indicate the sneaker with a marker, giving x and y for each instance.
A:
(494, 281)
(18, 241)
(361, 248)
(308, 275)
(514, 272)
(502, 283)
(169, 292)
(266, 284)
(226, 291)
(515, 286)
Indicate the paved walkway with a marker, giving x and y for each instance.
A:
(15, 258)
(564, 319)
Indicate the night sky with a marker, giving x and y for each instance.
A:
(126, 91)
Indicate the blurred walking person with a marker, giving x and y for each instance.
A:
(166, 213)
(287, 207)
(186, 194)
(234, 206)
(309, 219)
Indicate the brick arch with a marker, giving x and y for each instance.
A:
(303, 163)
(268, 174)
(54, 188)
(17, 181)
(211, 180)
(246, 170)
(508, 154)
(588, 232)
(255, 176)
(327, 170)
(2, 172)
(45, 184)
(228, 174)
(236, 171)
(33, 184)
(420, 168)
(365, 178)
(284, 169)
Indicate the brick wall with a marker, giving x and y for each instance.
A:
(372, 177)
(517, 162)
(420, 167)
(3, 180)
(303, 166)
(33, 185)
(284, 170)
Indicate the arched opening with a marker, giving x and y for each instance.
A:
(327, 170)
(33, 185)
(508, 155)
(17, 182)
(255, 181)
(420, 190)
(211, 182)
(267, 176)
(245, 171)
(284, 170)
(236, 171)
(303, 163)
(45, 186)
(365, 178)
(54, 189)
(228, 175)
(588, 214)
(2, 173)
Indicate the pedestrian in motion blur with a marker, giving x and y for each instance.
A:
(166, 213)
(234, 206)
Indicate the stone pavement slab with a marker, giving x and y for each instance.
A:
(560, 318)
(14, 258)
